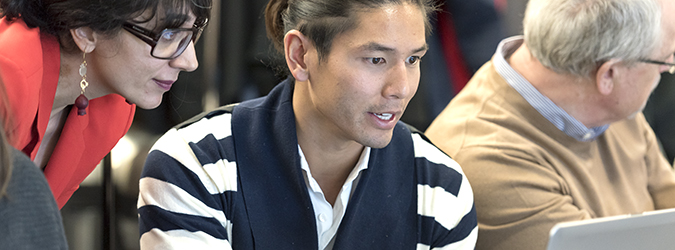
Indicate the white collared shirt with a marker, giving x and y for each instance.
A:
(328, 217)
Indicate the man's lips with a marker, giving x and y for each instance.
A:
(384, 116)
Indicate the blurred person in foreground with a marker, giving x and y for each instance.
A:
(551, 129)
(323, 161)
(29, 217)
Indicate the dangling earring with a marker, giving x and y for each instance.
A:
(82, 102)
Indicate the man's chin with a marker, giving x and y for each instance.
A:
(380, 142)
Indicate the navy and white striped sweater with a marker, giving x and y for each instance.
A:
(231, 179)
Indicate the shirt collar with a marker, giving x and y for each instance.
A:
(362, 164)
(556, 115)
(329, 217)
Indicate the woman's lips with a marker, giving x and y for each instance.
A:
(166, 85)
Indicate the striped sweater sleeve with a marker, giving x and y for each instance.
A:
(444, 200)
(184, 188)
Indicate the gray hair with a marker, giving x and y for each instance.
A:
(577, 36)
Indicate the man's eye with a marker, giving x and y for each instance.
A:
(413, 60)
(376, 60)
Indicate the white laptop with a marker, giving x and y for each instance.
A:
(653, 230)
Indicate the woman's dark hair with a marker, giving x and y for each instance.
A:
(57, 17)
(322, 20)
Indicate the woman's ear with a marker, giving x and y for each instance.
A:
(84, 38)
(296, 46)
(606, 75)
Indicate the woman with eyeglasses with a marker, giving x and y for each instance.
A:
(75, 70)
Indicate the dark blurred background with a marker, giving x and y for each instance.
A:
(237, 62)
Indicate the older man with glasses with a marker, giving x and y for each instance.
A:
(551, 129)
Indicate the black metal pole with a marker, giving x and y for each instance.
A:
(108, 205)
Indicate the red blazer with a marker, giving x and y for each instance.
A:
(30, 64)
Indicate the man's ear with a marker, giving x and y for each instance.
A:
(296, 46)
(84, 38)
(606, 76)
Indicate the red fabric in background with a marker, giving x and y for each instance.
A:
(458, 72)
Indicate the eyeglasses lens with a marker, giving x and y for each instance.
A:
(172, 43)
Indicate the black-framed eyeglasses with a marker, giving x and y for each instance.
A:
(169, 43)
(671, 70)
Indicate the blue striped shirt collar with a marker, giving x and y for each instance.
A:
(556, 115)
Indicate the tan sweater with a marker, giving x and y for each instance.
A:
(527, 175)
